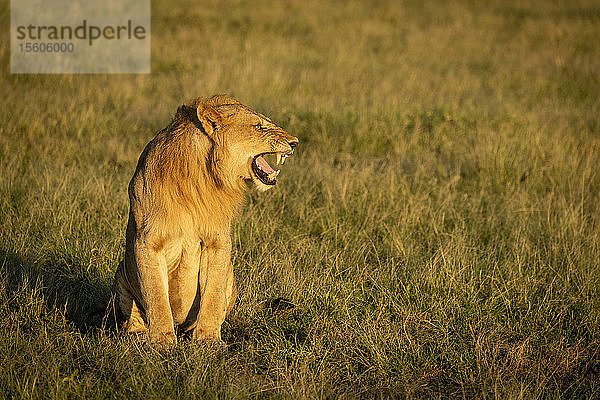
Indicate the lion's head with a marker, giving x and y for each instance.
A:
(248, 145)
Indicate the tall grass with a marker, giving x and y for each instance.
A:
(438, 228)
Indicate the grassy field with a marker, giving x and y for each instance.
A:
(438, 227)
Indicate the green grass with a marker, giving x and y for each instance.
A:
(438, 227)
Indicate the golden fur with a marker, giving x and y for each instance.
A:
(188, 184)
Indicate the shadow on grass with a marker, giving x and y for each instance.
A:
(65, 285)
(277, 319)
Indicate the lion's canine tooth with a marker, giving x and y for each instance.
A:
(283, 159)
(279, 158)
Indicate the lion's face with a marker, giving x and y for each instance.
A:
(254, 145)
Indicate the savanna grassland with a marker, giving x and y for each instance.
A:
(438, 228)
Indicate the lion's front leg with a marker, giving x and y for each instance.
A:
(231, 292)
(215, 290)
(152, 272)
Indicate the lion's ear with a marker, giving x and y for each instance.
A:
(209, 118)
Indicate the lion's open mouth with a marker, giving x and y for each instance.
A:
(263, 170)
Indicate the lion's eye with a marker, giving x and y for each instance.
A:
(260, 127)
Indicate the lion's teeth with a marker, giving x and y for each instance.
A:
(279, 158)
(273, 175)
(283, 159)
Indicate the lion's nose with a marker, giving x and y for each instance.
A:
(293, 144)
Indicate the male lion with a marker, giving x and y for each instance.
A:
(188, 184)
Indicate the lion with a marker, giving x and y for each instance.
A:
(190, 180)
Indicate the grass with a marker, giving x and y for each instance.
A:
(438, 227)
